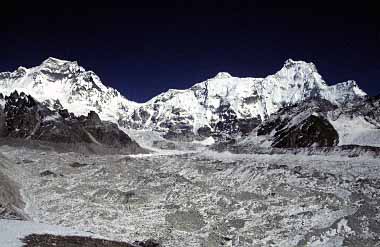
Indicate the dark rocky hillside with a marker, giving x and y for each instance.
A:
(313, 131)
(47, 240)
(23, 117)
(301, 125)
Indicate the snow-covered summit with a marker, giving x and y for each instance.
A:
(52, 61)
(225, 98)
(223, 75)
(65, 84)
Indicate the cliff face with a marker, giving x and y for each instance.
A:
(221, 107)
(24, 117)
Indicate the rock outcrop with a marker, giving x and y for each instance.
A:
(24, 117)
(223, 107)
(314, 131)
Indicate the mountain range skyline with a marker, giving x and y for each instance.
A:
(145, 50)
(126, 93)
(189, 123)
(223, 105)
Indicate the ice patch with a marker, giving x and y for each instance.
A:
(356, 131)
(12, 231)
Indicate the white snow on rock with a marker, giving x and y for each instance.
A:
(58, 82)
(356, 131)
(247, 97)
(76, 89)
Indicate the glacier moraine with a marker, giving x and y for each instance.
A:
(205, 198)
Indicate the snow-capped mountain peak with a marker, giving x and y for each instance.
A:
(351, 84)
(60, 66)
(222, 75)
(208, 104)
(64, 84)
(299, 63)
(300, 72)
(56, 61)
(228, 99)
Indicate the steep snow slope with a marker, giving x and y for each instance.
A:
(25, 118)
(356, 131)
(65, 84)
(356, 123)
(225, 97)
(216, 104)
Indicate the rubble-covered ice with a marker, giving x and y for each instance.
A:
(205, 198)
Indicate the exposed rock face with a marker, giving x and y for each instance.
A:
(105, 132)
(231, 106)
(316, 123)
(21, 115)
(60, 84)
(247, 125)
(369, 108)
(313, 131)
(24, 117)
(46, 240)
(224, 107)
(228, 106)
(302, 125)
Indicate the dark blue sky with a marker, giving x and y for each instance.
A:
(144, 50)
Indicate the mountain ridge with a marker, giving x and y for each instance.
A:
(22, 117)
(220, 104)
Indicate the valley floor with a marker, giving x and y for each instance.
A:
(204, 198)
